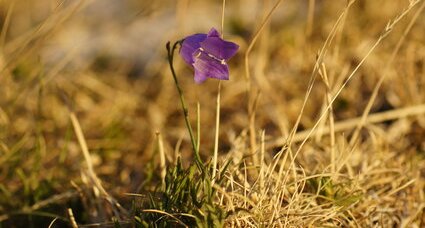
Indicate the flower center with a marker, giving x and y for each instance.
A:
(201, 50)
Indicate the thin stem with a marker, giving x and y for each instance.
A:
(183, 103)
(198, 126)
(251, 114)
(310, 18)
(217, 118)
(222, 18)
(217, 129)
(162, 165)
(328, 97)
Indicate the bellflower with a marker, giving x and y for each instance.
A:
(208, 55)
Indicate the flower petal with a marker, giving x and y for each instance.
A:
(208, 67)
(213, 33)
(190, 45)
(219, 48)
(199, 77)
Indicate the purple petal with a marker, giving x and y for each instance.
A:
(213, 33)
(219, 48)
(190, 45)
(199, 77)
(208, 67)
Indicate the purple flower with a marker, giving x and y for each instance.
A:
(208, 54)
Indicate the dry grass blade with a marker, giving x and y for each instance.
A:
(83, 145)
(352, 123)
(72, 218)
(386, 69)
(325, 79)
(217, 131)
(251, 99)
(162, 164)
(92, 175)
(384, 34)
(317, 65)
(166, 214)
(6, 25)
(53, 222)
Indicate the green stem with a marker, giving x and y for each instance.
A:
(183, 103)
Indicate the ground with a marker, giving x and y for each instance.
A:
(322, 122)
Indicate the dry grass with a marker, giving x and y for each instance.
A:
(323, 119)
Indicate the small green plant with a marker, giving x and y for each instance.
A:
(187, 199)
(340, 194)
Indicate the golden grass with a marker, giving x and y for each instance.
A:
(323, 118)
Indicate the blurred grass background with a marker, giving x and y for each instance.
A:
(105, 61)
